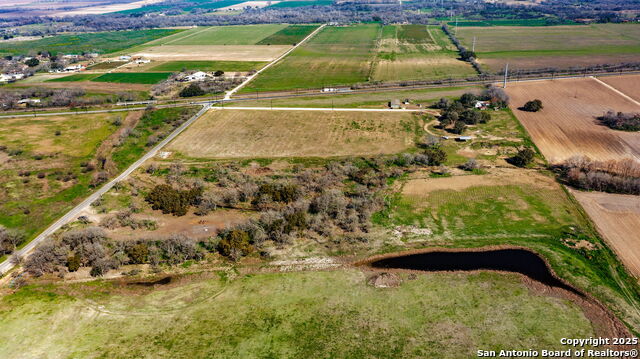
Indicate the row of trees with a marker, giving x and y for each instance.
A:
(607, 176)
(74, 97)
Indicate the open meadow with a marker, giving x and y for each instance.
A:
(567, 126)
(416, 52)
(257, 134)
(285, 315)
(40, 166)
(553, 46)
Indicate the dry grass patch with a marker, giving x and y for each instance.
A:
(248, 133)
(567, 126)
(617, 218)
(213, 52)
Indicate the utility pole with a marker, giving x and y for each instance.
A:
(506, 73)
(473, 47)
(456, 26)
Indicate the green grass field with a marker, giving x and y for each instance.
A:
(324, 314)
(227, 35)
(336, 56)
(75, 78)
(289, 35)
(107, 65)
(133, 78)
(227, 66)
(101, 42)
(553, 46)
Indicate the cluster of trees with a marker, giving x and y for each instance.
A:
(523, 157)
(176, 202)
(456, 115)
(607, 176)
(214, 85)
(90, 247)
(10, 240)
(192, 90)
(621, 121)
(532, 106)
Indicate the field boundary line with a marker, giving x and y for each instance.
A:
(324, 109)
(186, 37)
(230, 93)
(616, 90)
(71, 214)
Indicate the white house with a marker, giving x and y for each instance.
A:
(30, 101)
(73, 68)
(196, 76)
(70, 56)
(142, 61)
(11, 77)
(125, 57)
(482, 105)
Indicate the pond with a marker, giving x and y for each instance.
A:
(508, 260)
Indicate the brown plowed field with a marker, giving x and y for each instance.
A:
(255, 134)
(629, 84)
(567, 126)
(617, 217)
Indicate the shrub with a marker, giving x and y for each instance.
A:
(235, 244)
(169, 200)
(10, 240)
(621, 121)
(138, 253)
(436, 156)
(73, 263)
(459, 127)
(524, 157)
(532, 106)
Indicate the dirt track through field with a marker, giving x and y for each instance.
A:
(568, 125)
(628, 84)
(617, 217)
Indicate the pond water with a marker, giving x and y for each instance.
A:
(508, 260)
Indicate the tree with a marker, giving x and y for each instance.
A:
(524, 157)
(32, 62)
(468, 100)
(191, 91)
(9, 240)
(533, 106)
(235, 244)
(496, 95)
(467, 55)
(218, 73)
(459, 127)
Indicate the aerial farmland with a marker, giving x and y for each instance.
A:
(317, 178)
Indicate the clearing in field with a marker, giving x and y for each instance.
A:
(213, 52)
(226, 66)
(415, 52)
(568, 126)
(553, 46)
(306, 315)
(255, 134)
(617, 217)
(335, 56)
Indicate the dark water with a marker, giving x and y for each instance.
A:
(165, 280)
(509, 260)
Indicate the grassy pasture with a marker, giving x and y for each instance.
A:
(102, 42)
(289, 35)
(553, 46)
(227, 66)
(47, 197)
(133, 78)
(75, 78)
(249, 134)
(335, 56)
(287, 315)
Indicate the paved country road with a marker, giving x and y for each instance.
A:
(73, 213)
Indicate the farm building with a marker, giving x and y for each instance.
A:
(463, 138)
(11, 77)
(395, 104)
(482, 105)
(196, 76)
(125, 57)
(73, 68)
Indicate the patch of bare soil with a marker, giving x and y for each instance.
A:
(497, 177)
(567, 126)
(384, 280)
(617, 218)
(628, 84)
